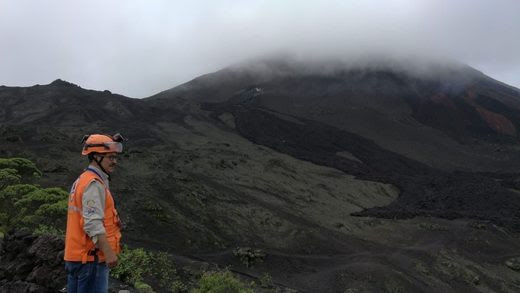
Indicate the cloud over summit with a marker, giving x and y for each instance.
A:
(139, 48)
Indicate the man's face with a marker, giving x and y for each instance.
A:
(109, 161)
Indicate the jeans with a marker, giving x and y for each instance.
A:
(86, 278)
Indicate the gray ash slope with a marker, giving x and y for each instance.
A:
(460, 120)
(447, 116)
(282, 162)
(424, 191)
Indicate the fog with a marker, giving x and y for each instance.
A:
(139, 48)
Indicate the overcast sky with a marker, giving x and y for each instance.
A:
(139, 48)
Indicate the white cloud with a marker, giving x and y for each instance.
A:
(138, 48)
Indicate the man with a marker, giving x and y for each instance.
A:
(93, 226)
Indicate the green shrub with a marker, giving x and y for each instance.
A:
(49, 230)
(8, 177)
(143, 287)
(26, 205)
(266, 281)
(46, 206)
(14, 192)
(133, 265)
(24, 167)
(11, 190)
(164, 270)
(8, 197)
(178, 287)
(221, 282)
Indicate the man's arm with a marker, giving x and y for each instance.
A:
(93, 213)
(110, 255)
(93, 201)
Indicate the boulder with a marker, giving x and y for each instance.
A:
(513, 263)
(30, 263)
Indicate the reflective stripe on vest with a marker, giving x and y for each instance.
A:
(77, 242)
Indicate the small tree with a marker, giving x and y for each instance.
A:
(27, 205)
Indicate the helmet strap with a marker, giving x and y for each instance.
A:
(101, 167)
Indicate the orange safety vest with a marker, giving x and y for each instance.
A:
(78, 245)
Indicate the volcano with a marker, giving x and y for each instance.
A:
(369, 178)
(448, 116)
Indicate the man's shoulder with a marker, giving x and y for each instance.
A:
(86, 180)
(88, 177)
(95, 187)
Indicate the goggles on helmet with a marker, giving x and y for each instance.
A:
(118, 137)
(109, 147)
